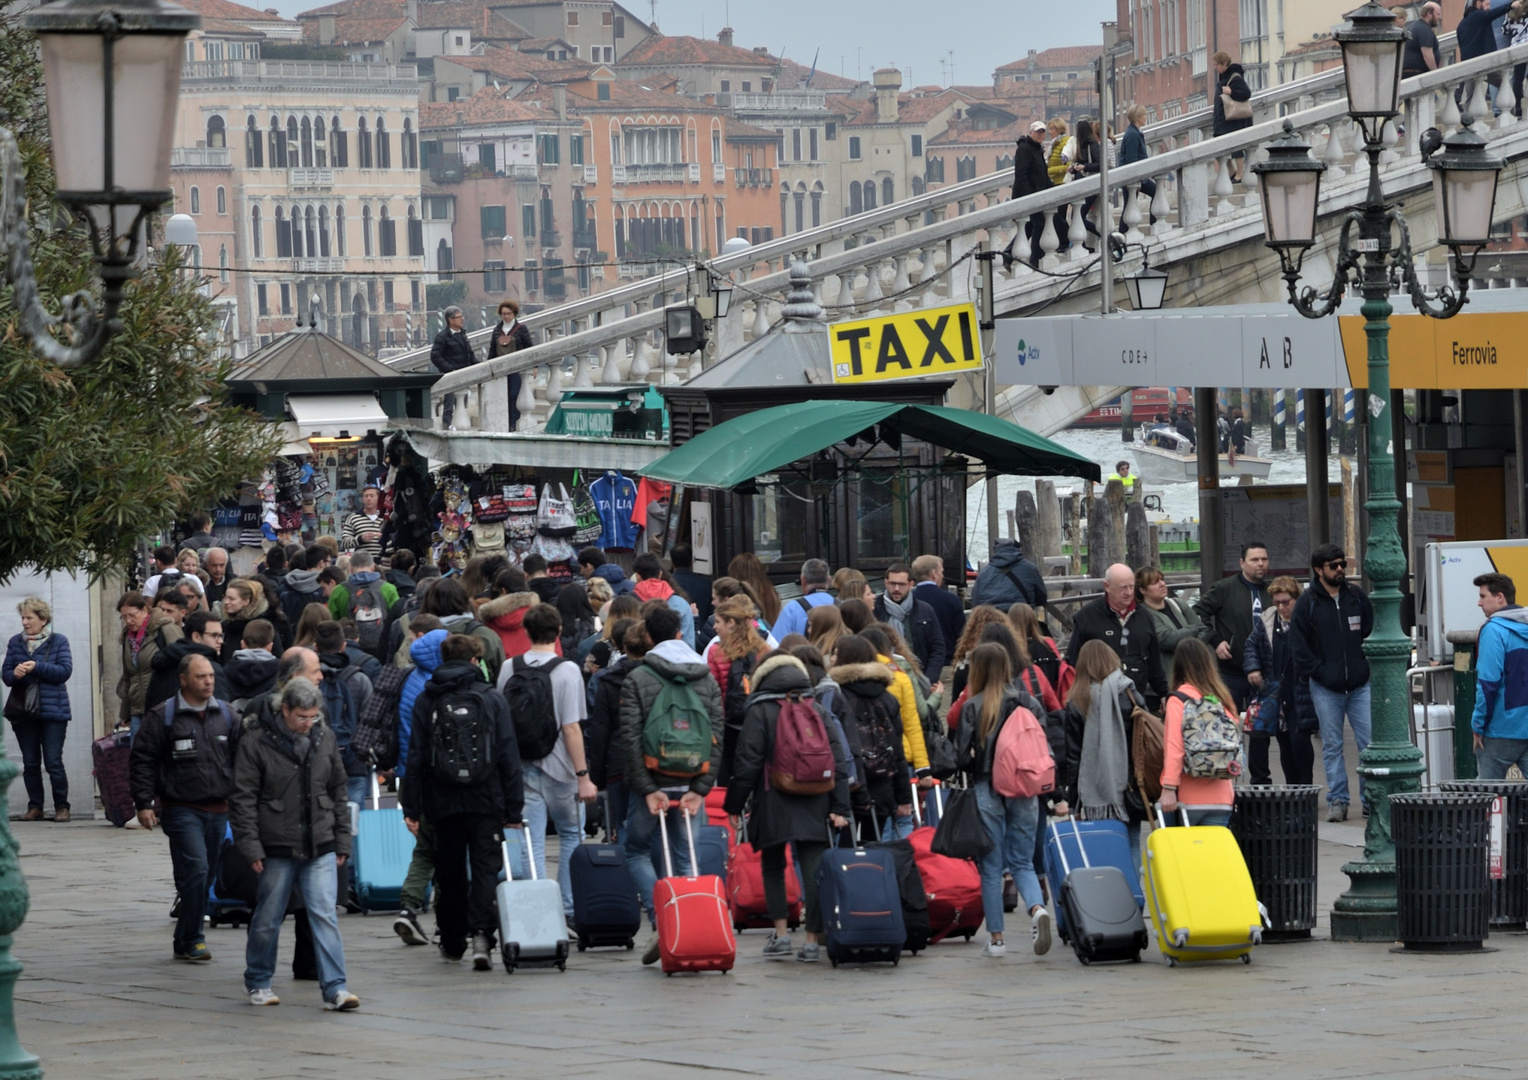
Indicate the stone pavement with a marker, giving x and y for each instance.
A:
(101, 1000)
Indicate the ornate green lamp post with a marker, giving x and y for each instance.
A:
(1374, 254)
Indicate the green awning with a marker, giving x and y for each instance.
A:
(749, 446)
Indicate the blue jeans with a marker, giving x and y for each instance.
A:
(42, 741)
(196, 841)
(641, 826)
(1210, 817)
(1012, 825)
(1496, 756)
(133, 724)
(357, 788)
(896, 828)
(545, 797)
(318, 881)
(1331, 707)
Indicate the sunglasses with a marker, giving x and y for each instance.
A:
(1337, 564)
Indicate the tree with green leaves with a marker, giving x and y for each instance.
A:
(96, 459)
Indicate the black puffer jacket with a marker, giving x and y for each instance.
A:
(502, 795)
(285, 805)
(602, 736)
(777, 817)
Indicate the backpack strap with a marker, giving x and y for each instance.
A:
(801, 602)
(1023, 589)
(169, 711)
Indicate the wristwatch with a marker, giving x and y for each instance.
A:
(582, 772)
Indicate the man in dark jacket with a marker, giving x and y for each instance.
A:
(300, 589)
(467, 818)
(185, 762)
(1123, 625)
(1009, 578)
(1331, 620)
(341, 669)
(653, 797)
(291, 824)
(451, 352)
(252, 671)
(928, 586)
(204, 637)
(1229, 609)
(913, 619)
(1475, 34)
(1029, 176)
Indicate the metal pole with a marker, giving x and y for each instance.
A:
(1105, 218)
(1300, 422)
(1318, 510)
(988, 323)
(1211, 526)
(1277, 440)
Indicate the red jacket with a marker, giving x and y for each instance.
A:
(505, 615)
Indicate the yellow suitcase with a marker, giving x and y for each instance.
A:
(1200, 896)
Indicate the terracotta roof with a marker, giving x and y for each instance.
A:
(507, 63)
(355, 31)
(1315, 45)
(225, 26)
(1074, 57)
(736, 129)
(487, 106)
(793, 77)
(910, 110)
(629, 95)
(225, 9)
(681, 51)
(358, 9)
(962, 134)
(485, 23)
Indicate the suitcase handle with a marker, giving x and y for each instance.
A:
(1080, 845)
(689, 836)
(376, 791)
(1060, 849)
(530, 857)
(668, 857)
(1162, 821)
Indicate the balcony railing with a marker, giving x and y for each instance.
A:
(718, 173)
(584, 238)
(446, 168)
(551, 238)
(310, 178)
(299, 72)
(201, 157)
(522, 172)
(324, 264)
(653, 173)
(754, 177)
(786, 102)
(591, 174)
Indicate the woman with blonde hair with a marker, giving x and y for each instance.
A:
(1011, 823)
(1096, 772)
(189, 562)
(747, 568)
(851, 585)
(739, 648)
(307, 624)
(824, 626)
(243, 602)
(1197, 677)
(39, 658)
(979, 618)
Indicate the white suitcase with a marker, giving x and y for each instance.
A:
(532, 930)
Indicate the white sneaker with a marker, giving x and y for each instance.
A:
(344, 1001)
(263, 995)
(994, 949)
(1040, 930)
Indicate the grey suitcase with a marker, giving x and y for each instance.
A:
(532, 931)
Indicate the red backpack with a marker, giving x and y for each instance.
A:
(1022, 766)
(802, 761)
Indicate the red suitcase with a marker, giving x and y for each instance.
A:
(110, 756)
(694, 922)
(954, 886)
(716, 813)
(745, 887)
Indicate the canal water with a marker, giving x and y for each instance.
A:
(1180, 502)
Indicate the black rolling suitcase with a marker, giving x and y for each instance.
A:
(1101, 913)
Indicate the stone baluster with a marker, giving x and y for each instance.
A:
(581, 365)
(1022, 251)
(526, 400)
(1049, 241)
(1449, 117)
(1388, 137)
(1506, 100)
(553, 393)
(641, 366)
(611, 370)
(1223, 189)
(1335, 151)
(1130, 217)
(873, 293)
(1076, 233)
(1477, 104)
(1161, 208)
(760, 318)
(928, 271)
(899, 279)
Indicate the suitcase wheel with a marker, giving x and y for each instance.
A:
(1086, 960)
(1136, 959)
(833, 962)
(1246, 958)
(562, 965)
(897, 959)
(970, 934)
(582, 947)
(631, 944)
(1169, 961)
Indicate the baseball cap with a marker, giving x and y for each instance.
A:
(1038, 125)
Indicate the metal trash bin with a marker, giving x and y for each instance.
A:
(1276, 828)
(1442, 874)
(1509, 893)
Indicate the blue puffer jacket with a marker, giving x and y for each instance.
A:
(996, 584)
(54, 666)
(426, 656)
(1501, 706)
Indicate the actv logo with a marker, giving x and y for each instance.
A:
(1027, 352)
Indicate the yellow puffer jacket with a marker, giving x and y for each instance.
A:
(912, 728)
(1062, 151)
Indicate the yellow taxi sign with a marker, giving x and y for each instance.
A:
(912, 345)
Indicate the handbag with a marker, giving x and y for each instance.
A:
(1235, 110)
(586, 514)
(960, 833)
(554, 515)
(1264, 713)
(25, 702)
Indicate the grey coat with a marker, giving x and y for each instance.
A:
(284, 806)
(1171, 631)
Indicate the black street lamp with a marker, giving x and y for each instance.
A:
(96, 54)
(1376, 259)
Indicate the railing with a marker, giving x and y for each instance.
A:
(618, 174)
(650, 173)
(523, 172)
(693, 169)
(754, 177)
(201, 157)
(304, 178)
(323, 264)
(591, 174)
(551, 238)
(1196, 206)
(584, 238)
(718, 173)
(785, 102)
(299, 72)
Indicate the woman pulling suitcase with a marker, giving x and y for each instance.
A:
(1207, 801)
(1097, 770)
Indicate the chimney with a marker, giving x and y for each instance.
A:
(325, 29)
(725, 37)
(560, 101)
(887, 82)
(411, 9)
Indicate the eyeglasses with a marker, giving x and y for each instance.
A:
(1284, 601)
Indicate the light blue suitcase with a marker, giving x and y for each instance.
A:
(381, 852)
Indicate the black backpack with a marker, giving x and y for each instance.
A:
(739, 676)
(880, 734)
(462, 750)
(532, 707)
(369, 610)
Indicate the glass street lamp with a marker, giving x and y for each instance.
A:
(1374, 250)
(96, 54)
(1147, 289)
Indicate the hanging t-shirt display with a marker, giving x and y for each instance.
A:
(615, 497)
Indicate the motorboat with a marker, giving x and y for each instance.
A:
(1165, 456)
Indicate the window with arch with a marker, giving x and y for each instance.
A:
(283, 235)
(785, 197)
(320, 145)
(338, 144)
(323, 231)
(716, 146)
(1005, 163)
(310, 231)
(362, 144)
(293, 142)
(443, 259)
(888, 192)
(408, 148)
(339, 229)
(933, 170)
(965, 168)
(196, 200)
(817, 204)
(416, 234)
(366, 231)
(217, 133)
(869, 194)
(277, 143)
(917, 185)
(384, 146)
(254, 145)
(800, 195)
(856, 201)
(256, 242)
(297, 248)
(223, 264)
(222, 194)
(307, 143)
(387, 236)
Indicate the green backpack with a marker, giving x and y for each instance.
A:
(677, 738)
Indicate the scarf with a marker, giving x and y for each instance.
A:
(136, 639)
(652, 589)
(33, 641)
(1104, 771)
(898, 613)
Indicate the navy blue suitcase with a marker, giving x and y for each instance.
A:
(1108, 845)
(861, 902)
(712, 843)
(606, 910)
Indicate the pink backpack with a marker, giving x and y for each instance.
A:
(1022, 766)
(802, 762)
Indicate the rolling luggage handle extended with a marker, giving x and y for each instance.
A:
(1066, 868)
(1162, 821)
(668, 858)
(376, 791)
(530, 860)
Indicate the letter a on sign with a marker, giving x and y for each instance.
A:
(917, 344)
